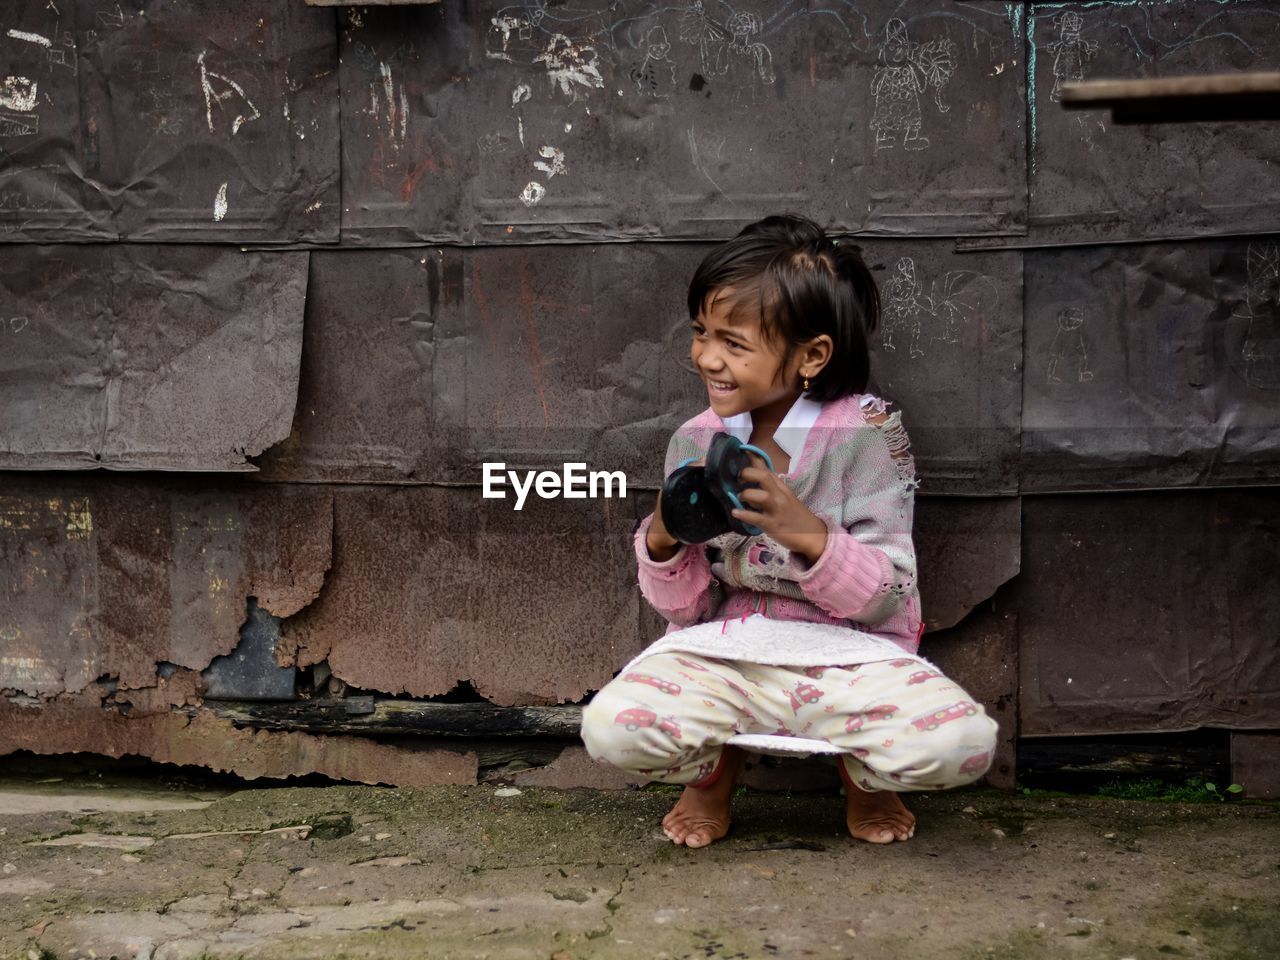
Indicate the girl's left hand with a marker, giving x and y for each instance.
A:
(775, 509)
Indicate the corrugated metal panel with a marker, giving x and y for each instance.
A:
(421, 365)
(146, 357)
(1092, 181)
(1150, 612)
(192, 121)
(103, 577)
(1152, 366)
(497, 122)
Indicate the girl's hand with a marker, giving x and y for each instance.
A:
(661, 544)
(776, 510)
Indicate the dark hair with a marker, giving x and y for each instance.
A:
(803, 284)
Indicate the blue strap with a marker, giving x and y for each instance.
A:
(734, 497)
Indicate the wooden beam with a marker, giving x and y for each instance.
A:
(371, 715)
(369, 3)
(1199, 98)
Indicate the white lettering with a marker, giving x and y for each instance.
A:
(572, 483)
(571, 480)
(548, 485)
(493, 477)
(607, 478)
(521, 492)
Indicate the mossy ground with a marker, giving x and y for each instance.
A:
(461, 872)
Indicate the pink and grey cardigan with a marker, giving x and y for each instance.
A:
(855, 475)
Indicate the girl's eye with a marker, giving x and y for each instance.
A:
(734, 344)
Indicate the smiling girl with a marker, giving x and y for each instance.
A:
(802, 638)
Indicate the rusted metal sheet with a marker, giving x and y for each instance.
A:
(1150, 612)
(105, 577)
(81, 725)
(434, 585)
(367, 391)
(193, 121)
(1092, 181)
(145, 357)
(421, 365)
(965, 549)
(501, 122)
(1152, 366)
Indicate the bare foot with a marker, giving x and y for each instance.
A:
(878, 817)
(701, 815)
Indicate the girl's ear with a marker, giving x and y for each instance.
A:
(817, 354)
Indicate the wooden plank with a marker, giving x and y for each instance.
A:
(370, 715)
(1202, 98)
(369, 3)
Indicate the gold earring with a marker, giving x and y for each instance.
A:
(806, 383)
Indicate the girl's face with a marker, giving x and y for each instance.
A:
(743, 372)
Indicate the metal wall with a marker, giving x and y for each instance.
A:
(326, 263)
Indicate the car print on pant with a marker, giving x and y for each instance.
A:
(976, 764)
(635, 718)
(920, 676)
(666, 686)
(882, 711)
(932, 721)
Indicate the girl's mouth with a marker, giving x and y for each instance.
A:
(719, 388)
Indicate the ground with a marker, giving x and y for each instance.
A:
(483, 872)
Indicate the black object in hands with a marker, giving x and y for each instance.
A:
(696, 500)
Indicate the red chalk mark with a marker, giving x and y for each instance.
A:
(410, 182)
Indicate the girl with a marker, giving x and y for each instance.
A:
(803, 637)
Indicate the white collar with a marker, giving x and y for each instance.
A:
(792, 431)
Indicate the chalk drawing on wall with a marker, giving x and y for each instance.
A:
(1069, 347)
(904, 303)
(1261, 349)
(1071, 52)
(655, 75)
(698, 30)
(222, 90)
(951, 303)
(907, 69)
(571, 68)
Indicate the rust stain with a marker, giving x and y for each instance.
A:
(80, 723)
(410, 181)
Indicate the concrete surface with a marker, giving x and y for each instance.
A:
(465, 872)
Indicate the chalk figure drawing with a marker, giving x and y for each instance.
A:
(907, 69)
(655, 75)
(1070, 52)
(1069, 346)
(951, 302)
(731, 50)
(1261, 351)
(699, 30)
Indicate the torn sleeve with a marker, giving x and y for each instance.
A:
(868, 566)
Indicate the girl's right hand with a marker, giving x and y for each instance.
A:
(661, 545)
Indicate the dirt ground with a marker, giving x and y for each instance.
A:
(94, 869)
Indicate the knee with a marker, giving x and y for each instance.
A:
(957, 752)
(621, 732)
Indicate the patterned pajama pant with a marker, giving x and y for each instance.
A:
(898, 724)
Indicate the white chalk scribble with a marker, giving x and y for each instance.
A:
(220, 204)
(232, 90)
